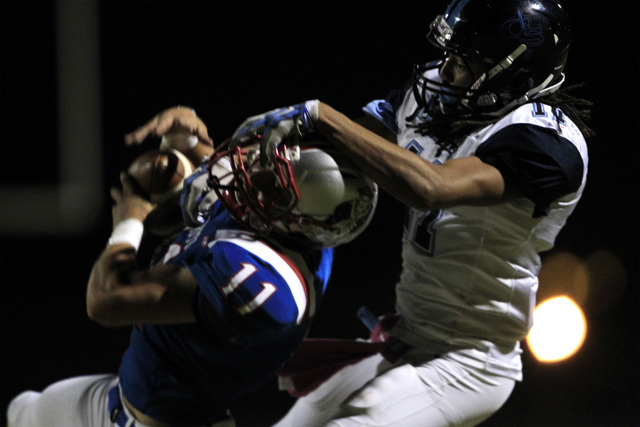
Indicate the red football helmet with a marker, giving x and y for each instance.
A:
(310, 192)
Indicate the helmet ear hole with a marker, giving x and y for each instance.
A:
(268, 190)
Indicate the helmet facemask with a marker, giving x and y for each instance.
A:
(252, 193)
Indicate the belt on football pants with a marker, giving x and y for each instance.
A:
(117, 414)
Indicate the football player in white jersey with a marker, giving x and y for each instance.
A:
(489, 155)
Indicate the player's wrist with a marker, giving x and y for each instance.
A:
(310, 114)
(128, 231)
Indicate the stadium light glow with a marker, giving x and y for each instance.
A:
(559, 329)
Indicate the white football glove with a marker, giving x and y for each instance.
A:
(275, 126)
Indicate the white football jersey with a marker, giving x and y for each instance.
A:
(469, 276)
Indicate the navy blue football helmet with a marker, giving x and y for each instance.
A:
(522, 46)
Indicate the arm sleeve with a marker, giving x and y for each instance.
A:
(544, 165)
(384, 110)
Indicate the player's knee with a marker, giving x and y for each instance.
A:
(388, 387)
(375, 401)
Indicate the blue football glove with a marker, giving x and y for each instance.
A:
(275, 126)
(197, 196)
(194, 191)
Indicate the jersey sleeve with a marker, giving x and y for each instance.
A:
(254, 290)
(385, 110)
(543, 164)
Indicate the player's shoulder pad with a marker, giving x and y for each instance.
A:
(256, 278)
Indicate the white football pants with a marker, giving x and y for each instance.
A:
(373, 392)
(75, 402)
(80, 401)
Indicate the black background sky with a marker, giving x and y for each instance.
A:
(230, 60)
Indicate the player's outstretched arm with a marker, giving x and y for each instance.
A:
(411, 179)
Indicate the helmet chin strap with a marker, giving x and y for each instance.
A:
(550, 89)
(491, 98)
(534, 93)
(507, 61)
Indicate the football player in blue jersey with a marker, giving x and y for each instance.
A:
(489, 155)
(227, 298)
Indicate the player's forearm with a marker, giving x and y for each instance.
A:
(401, 173)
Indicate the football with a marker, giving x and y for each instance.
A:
(159, 174)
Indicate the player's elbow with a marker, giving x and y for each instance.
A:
(98, 316)
(105, 312)
(102, 315)
(424, 195)
(105, 301)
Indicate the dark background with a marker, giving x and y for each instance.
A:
(230, 60)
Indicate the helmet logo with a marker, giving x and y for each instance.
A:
(445, 32)
(520, 28)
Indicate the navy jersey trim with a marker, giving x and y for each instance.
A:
(543, 164)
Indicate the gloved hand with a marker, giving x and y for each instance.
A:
(195, 191)
(275, 126)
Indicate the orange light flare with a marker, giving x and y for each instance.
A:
(559, 329)
(569, 287)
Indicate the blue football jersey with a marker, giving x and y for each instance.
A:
(262, 295)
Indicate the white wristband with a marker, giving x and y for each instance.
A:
(179, 140)
(128, 231)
